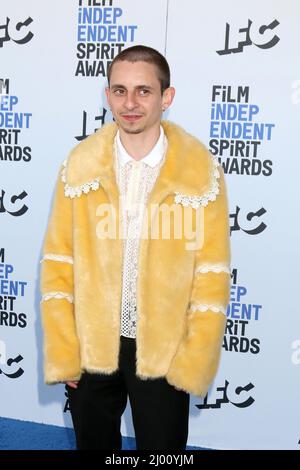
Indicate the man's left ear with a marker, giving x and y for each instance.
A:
(168, 96)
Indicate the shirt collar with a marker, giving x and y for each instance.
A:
(152, 158)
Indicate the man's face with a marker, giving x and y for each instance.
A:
(135, 98)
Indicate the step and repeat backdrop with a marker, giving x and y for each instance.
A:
(236, 71)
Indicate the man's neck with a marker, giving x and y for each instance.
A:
(139, 145)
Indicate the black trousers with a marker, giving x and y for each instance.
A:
(160, 413)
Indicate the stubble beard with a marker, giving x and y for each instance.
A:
(131, 130)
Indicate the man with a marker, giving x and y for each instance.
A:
(131, 309)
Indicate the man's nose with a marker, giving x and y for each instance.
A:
(131, 101)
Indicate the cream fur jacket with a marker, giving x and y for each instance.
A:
(183, 282)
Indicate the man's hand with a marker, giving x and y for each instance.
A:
(72, 384)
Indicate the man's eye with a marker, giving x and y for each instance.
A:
(144, 92)
(119, 92)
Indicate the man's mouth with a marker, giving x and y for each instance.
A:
(131, 117)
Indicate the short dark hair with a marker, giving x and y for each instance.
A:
(145, 54)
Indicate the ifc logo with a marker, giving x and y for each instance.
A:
(2, 352)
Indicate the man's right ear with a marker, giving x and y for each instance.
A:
(107, 93)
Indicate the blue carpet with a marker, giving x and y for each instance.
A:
(25, 435)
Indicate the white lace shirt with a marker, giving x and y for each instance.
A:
(135, 179)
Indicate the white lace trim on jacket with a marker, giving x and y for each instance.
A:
(215, 268)
(203, 200)
(77, 191)
(61, 258)
(206, 307)
(57, 295)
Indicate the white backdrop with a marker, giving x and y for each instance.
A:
(232, 65)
